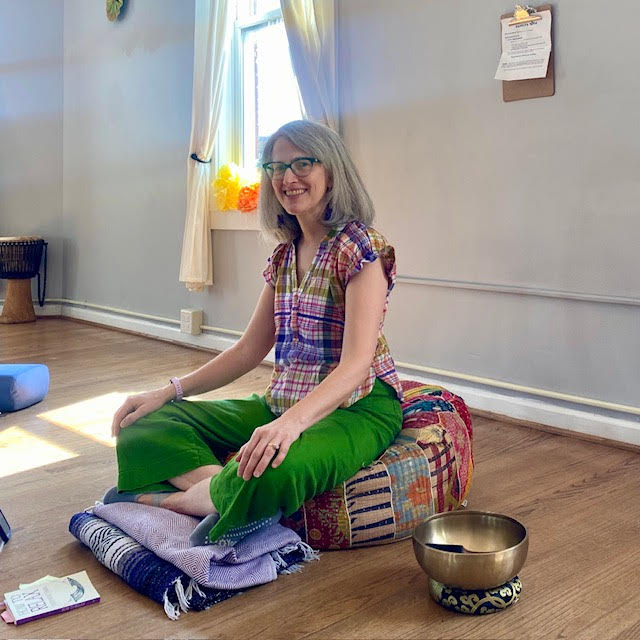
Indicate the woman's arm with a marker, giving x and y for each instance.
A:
(242, 357)
(232, 363)
(364, 305)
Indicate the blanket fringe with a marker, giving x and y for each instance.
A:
(279, 560)
(309, 553)
(172, 610)
(183, 598)
(281, 564)
(294, 568)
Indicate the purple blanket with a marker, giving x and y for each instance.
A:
(253, 561)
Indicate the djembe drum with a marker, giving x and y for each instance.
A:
(20, 259)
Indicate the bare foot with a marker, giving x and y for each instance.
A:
(195, 501)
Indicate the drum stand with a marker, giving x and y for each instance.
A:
(18, 306)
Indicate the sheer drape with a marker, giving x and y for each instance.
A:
(310, 26)
(209, 62)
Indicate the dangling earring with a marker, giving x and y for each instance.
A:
(280, 220)
(327, 212)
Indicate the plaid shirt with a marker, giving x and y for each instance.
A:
(310, 316)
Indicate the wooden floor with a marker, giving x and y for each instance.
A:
(579, 500)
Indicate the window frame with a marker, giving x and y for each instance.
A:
(229, 143)
(230, 136)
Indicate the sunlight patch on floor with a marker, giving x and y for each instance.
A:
(21, 451)
(91, 418)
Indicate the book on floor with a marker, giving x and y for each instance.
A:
(48, 596)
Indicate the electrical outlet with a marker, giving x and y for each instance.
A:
(190, 321)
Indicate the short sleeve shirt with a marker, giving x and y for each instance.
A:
(310, 315)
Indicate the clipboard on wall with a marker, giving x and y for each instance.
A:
(535, 87)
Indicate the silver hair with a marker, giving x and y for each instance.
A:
(347, 200)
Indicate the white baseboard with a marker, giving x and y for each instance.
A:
(209, 340)
(618, 426)
(49, 309)
(601, 424)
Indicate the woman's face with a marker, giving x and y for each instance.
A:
(299, 196)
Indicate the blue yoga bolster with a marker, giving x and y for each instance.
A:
(22, 385)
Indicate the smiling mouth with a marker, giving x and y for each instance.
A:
(294, 192)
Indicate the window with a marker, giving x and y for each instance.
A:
(261, 92)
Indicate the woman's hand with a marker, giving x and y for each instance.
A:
(266, 441)
(134, 407)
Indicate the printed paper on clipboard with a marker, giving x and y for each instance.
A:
(525, 49)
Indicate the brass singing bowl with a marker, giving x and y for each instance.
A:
(491, 547)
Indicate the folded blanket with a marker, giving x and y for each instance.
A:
(250, 562)
(166, 583)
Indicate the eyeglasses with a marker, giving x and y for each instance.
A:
(301, 167)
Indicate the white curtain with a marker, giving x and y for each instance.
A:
(310, 26)
(209, 62)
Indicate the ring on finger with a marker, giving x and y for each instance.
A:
(274, 446)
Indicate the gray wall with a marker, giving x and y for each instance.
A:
(127, 121)
(538, 195)
(31, 127)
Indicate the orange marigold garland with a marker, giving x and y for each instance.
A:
(235, 188)
(248, 197)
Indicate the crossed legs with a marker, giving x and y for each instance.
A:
(194, 498)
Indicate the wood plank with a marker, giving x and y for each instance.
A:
(577, 498)
(567, 433)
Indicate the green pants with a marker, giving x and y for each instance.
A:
(182, 436)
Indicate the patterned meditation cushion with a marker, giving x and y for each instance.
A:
(426, 470)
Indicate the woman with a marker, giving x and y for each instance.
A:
(333, 403)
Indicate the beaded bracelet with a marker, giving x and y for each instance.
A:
(178, 387)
